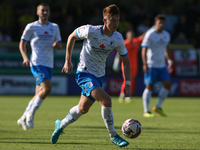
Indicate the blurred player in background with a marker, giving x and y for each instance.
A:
(155, 47)
(44, 36)
(98, 42)
(132, 44)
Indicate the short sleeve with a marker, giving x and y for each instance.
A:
(146, 41)
(57, 35)
(82, 32)
(121, 48)
(27, 33)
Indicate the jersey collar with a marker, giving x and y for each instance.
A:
(101, 29)
(43, 24)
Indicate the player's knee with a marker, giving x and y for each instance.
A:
(106, 103)
(84, 110)
(47, 90)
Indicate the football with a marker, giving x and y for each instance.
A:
(131, 128)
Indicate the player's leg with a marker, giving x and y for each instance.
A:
(43, 88)
(75, 112)
(106, 111)
(149, 80)
(22, 120)
(121, 96)
(82, 108)
(163, 93)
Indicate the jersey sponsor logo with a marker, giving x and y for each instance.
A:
(46, 32)
(102, 46)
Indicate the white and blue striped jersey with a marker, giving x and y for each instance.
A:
(156, 44)
(41, 39)
(96, 48)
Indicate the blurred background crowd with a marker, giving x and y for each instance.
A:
(182, 17)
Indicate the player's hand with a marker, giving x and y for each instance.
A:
(26, 62)
(55, 44)
(67, 68)
(170, 68)
(145, 69)
(127, 91)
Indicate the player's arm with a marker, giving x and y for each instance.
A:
(57, 45)
(23, 51)
(144, 59)
(68, 66)
(169, 59)
(127, 73)
(116, 63)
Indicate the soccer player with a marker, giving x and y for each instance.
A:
(155, 47)
(98, 42)
(132, 45)
(44, 36)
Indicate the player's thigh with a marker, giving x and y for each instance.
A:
(84, 104)
(46, 85)
(167, 84)
(102, 97)
(165, 78)
(150, 78)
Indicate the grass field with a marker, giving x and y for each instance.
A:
(179, 130)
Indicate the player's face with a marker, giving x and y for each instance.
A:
(130, 35)
(43, 12)
(160, 24)
(112, 23)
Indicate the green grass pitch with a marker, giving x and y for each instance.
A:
(179, 130)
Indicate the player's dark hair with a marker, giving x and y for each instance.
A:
(42, 4)
(111, 10)
(160, 17)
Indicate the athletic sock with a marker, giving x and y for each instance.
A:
(161, 97)
(121, 95)
(23, 117)
(72, 116)
(107, 116)
(146, 99)
(127, 98)
(36, 104)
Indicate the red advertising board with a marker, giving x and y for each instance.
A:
(189, 87)
(114, 86)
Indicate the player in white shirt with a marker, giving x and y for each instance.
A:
(44, 36)
(98, 42)
(155, 47)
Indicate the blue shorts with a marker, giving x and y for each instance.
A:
(41, 73)
(156, 74)
(88, 82)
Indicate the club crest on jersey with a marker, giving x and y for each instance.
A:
(46, 32)
(42, 75)
(90, 84)
(102, 46)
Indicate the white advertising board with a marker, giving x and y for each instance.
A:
(25, 85)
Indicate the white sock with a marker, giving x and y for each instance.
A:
(121, 95)
(23, 117)
(161, 97)
(146, 99)
(72, 116)
(107, 116)
(36, 104)
(127, 98)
